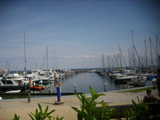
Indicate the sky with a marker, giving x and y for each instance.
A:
(73, 33)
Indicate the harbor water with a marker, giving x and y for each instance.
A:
(81, 82)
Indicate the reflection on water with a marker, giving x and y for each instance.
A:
(83, 80)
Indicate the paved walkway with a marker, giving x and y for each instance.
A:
(22, 108)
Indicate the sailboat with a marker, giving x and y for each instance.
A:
(12, 82)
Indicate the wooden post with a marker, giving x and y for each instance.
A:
(75, 87)
(29, 97)
(105, 84)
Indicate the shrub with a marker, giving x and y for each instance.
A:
(40, 115)
(89, 110)
(139, 111)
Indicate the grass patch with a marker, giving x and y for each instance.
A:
(137, 90)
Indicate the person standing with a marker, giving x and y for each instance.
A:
(149, 98)
(59, 93)
(158, 82)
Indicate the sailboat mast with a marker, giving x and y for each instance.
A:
(121, 54)
(146, 58)
(103, 62)
(47, 56)
(151, 52)
(25, 61)
(133, 52)
(157, 51)
(132, 38)
(129, 58)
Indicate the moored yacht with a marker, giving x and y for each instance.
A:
(11, 84)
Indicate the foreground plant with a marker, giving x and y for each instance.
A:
(89, 110)
(42, 115)
(16, 117)
(58, 118)
(139, 111)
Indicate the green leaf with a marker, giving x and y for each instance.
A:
(46, 110)
(16, 117)
(50, 113)
(31, 116)
(40, 108)
(76, 109)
